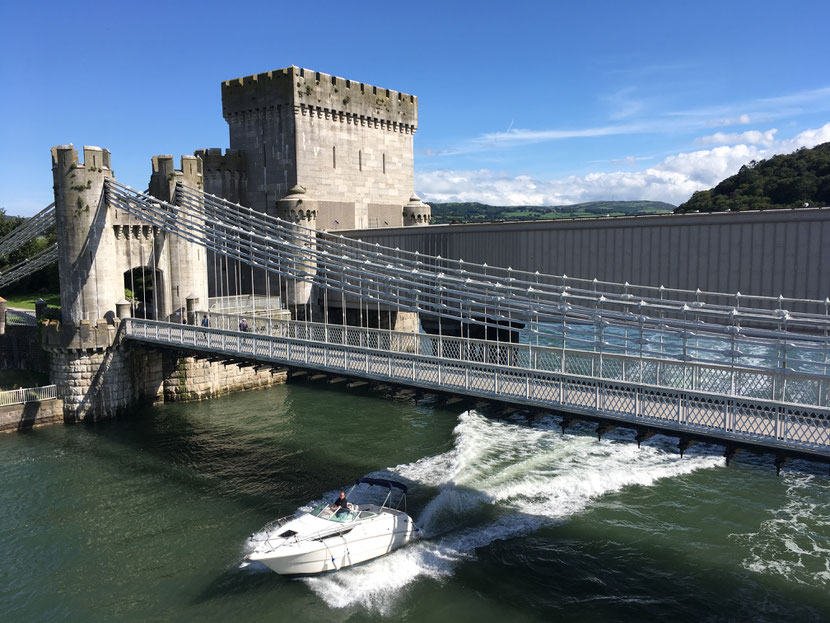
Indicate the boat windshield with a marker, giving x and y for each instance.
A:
(323, 511)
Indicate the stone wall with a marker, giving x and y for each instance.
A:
(20, 349)
(100, 376)
(29, 415)
(94, 385)
(194, 379)
(348, 143)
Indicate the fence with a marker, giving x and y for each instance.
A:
(28, 394)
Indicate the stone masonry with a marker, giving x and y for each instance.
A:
(100, 377)
(349, 144)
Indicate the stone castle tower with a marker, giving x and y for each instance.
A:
(349, 145)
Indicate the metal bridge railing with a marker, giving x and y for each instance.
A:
(781, 385)
(25, 317)
(488, 370)
(28, 394)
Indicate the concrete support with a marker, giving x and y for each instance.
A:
(3, 306)
(90, 284)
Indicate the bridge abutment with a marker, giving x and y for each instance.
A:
(99, 377)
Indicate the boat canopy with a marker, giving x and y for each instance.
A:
(380, 482)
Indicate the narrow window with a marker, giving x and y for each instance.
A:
(333, 157)
(384, 164)
(360, 159)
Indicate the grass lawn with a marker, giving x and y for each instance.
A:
(27, 299)
(15, 379)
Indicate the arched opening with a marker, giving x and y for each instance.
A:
(143, 289)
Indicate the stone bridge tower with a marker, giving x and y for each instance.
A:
(97, 245)
(98, 248)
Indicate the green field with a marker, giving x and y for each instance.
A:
(480, 213)
(26, 300)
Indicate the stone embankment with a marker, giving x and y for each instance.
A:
(25, 416)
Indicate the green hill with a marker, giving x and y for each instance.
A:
(788, 181)
(480, 212)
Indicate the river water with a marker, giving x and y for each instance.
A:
(147, 518)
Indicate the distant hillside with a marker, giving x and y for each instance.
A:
(480, 212)
(788, 181)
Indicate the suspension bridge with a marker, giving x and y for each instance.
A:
(694, 364)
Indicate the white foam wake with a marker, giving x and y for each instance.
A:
(499, 481)
(795, 542)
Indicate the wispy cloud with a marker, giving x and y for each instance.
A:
(516, 135)
(760, 110)
(743, 119)
(622, 103)
(800, 97)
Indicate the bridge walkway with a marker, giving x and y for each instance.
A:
(496, 372)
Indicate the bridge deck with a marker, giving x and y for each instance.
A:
(388, 356)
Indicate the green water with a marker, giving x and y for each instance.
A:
(147, 519)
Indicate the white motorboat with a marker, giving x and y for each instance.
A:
(325, 540)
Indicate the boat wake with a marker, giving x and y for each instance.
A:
(794, 542)
(500, 480)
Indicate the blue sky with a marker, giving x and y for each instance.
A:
(521, 102)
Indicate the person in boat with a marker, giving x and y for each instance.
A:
(341, 505)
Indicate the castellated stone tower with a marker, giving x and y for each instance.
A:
(225, 174)
(186, 262)
(101, 251)
(99, 246)
(349, 144)
(90, 281)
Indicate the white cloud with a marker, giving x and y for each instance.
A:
(807, 138)
(752, 137)
(672, 180)
(743, 119)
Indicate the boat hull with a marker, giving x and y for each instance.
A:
(360, 545)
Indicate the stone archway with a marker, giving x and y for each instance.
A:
(144, 288)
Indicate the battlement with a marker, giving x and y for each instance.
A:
(65, 157)
(96, 335)
(164, 176)
(214, 160)
(327, 96)
(165, 165)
